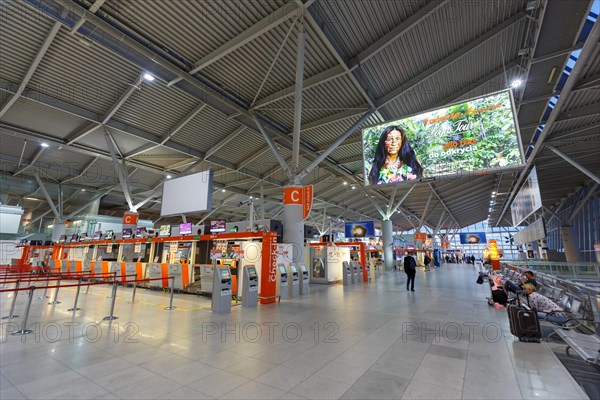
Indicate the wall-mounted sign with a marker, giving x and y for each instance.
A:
(474, 135)
(302, 195)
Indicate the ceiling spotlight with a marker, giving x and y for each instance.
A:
(148, 76)
(83, 190)
(223, 190)
(353, 187)
(516, 83)
(169, 176)
(251, 197)
(345, 183)
(44, 144)
(493, 193)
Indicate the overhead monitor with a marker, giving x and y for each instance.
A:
(359, 229)
(108, 235)
(97, 235)
(74, 238)
(165, 230)
(217, 226)
(474, 135)
(473, 238)
(140, 232)
(187, 194)
(83, 237)
(528, 200)
(127, 233)
(185, 229)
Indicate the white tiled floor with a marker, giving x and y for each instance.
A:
(373, 341)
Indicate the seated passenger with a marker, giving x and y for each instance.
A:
(514, 287)
(546, 309)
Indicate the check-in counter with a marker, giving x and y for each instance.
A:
(86, 266)
(181, 273)
(135, 268)
(206, 278)
(156, 270)
(99, 269)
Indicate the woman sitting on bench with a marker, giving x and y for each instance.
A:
(546, 309)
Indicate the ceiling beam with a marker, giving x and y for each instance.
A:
(264, 25)
(93, 8)
(405, 87)
(32, 68)
(74, 137)
(171, 133)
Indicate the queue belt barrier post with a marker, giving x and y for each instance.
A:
(12, 306)
(112, 304)
(44, 296)
(114, 276)
(133, 295)
(171, 307)
(75, 308)
(55, 301)
(24, 330)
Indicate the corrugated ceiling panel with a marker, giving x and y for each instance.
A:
(35, 116)
(356, 24)
(192, 29)
(89, 76)
(242, 147)
(405, 59)
(12, 146)
(206, 129)
(445, 84)
(155, 108)
(23, 31)
(582, 98)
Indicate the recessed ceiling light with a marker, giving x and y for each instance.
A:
(223, 190)
(44, 144)
(345, 183)
(516, 83)
(83, 190)
(169, 176)
(148, 76)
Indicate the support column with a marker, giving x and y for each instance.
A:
(58, 229)
(293, 222)
(569, 239)
(388, 244)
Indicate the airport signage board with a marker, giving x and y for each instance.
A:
(468, 137)
(359, 229)
(528, 200)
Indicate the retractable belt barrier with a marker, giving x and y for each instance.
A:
(110, 317)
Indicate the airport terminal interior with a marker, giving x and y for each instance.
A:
(300, 199)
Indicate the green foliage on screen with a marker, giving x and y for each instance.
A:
(476, 135)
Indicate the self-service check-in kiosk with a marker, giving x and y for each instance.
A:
(373, 270)
(282, 281)
(347, 277)
(249, 286)
(358, 271)
(303, 272)
(221, 293)
(293, 281)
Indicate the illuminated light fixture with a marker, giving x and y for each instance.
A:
(551, 76)
(493, 193)
(516, 83)
(148, 76)
(83, 190)
(353, 187)
(44, 144)
(223, 190)
(345, 183)
(169, 176)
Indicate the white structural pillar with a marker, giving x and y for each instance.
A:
(58, 230)
(293, 223)
(569, 239)
(388, 244)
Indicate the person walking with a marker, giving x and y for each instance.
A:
(410, 268)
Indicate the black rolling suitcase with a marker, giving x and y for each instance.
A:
(524, 323)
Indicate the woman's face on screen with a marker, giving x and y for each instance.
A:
(393, 142)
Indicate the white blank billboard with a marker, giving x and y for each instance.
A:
(188, 194)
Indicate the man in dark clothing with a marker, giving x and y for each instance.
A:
(426, 261)
(514, 287)
(410, 268)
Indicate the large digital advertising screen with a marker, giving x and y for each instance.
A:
(475, 135)
(473, 238)
(528, 200)
(359, 229)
